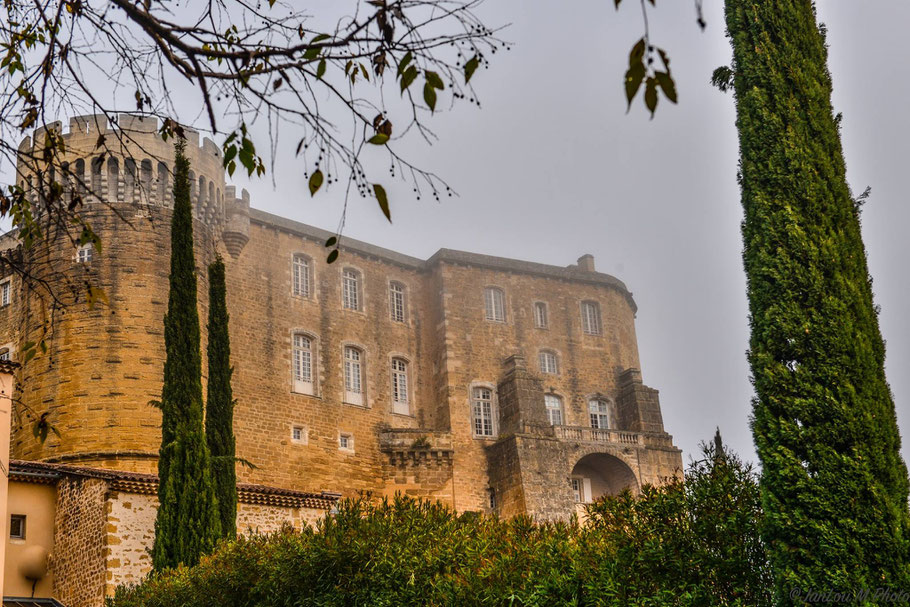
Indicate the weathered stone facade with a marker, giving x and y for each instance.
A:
(300, 428)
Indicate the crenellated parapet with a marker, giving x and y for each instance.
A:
(125, 162)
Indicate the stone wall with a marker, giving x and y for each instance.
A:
(79, 542)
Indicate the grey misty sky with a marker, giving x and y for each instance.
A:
(552, 167)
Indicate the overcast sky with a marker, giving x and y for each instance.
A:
(552, 167)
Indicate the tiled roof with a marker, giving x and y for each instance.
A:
(147, 484)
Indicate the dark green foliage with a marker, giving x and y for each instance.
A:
(694, 544)
(219, 406)
(834, 486)
(187, 523)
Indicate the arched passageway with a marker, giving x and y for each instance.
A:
(599, 474)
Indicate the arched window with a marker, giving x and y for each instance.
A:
(353, 375)
(131, 179)
(548, 362)
(97, 168)
(541, 319)
(554, 409)
(300, 275)
(494, 304)
(211, 199)
(400, 395)
(599, 412)
(397, 307)
(350, 289)
(590, 318)
(482, 411)
(303, 350)
(113, 180)
(162, 185)
(200, 200)
(79, 175)
(146, 176)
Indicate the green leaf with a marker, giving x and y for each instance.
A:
(331, 241)
(666, 83)
(378, 139)
(320, 38)
(332, 256)
(637, 53)
(634, 76)
(470, 67)
(315, 182)
(404, 63)
(408, 77)
(651, 94)
(434, 79)
(311, 53)
(383, 201)
(429, 95)
(320, 69)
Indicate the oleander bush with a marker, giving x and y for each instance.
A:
(693, 543)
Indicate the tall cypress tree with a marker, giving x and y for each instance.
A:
(219, 407)
(187, 525)
(834, 485)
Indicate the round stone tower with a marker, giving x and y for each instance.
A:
(103, 364)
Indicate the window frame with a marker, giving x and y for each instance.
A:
(489, 304)
(6, 291)
(6, 353)
(606, 413)
(347, 437)
(399, 406)
(544, 357)
(23, 519)
(85, 254)
(541, 321)
(560, 409)
(351, 396)
(393, 305)
(300, 385)
(492, 414)
(304, 437)
(586, 327)
(357, 292)
(302, 260)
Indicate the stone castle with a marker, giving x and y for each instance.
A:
(493, 385)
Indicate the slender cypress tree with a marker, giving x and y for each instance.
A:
(219, 406)
(187, 524)
(833, 483)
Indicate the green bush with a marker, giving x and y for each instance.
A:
(680, 544)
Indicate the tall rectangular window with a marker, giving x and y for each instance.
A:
(590, 318)
(5, 291)
(353, 376)
(494, 304)
(554, 409)
(301, 276)
(548, 363)
(482, 411)
(540, 315)
(599, 411)
(17, 526)
(396, 302)
(400, 386)
(350, 289)
(303, 364)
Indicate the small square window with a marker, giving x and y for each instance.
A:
(299, 435)
(17, 527)
(84, 254)
(346, 441)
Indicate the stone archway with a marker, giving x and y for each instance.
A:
(599, 474)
